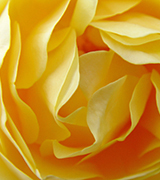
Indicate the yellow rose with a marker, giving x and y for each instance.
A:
(130, 28)
(79, 90)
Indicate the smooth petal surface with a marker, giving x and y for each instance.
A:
(110, 8)
(126, 28)
(3, 4)
(143, 54)
(95, 67)
(83, 14)
(8, 170)
(65, 168)
(33, 58)
(79, 89)
(151, 110)
(139, 99)
(61, 77)
(14, 135)
(4, 32)
(104, 123)
(23, 112)
(57, 38)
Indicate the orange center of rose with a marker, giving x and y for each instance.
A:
(89, 41)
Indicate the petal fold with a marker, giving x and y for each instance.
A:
(83, 14)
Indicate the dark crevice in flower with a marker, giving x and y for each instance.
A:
(90, 41)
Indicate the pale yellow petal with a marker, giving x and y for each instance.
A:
(64, 168)
(62, 151)
(9, 171)
(14, 141)
(50, 177)
(61, 77)
(78, 117)
(70, 84)
(139, 99)
(123, 68)
(4, 32)
(83, 14)
(57, 38)
(22, 115)
(129, 33)
(107, 116)
(93, 70)
(75, 145)
(11, 142)
(2, 5)
(48, 128)
(127, 29)
(34, 55)
(111, 8)
(143, 54)
(139, 19)
(134, 41)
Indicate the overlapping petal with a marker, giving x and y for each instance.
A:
(79, 91)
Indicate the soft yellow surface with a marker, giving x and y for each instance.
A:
(79, 89)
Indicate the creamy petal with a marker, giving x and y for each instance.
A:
(48, 128)
(143, 54)
(111, 8)
(3, 4)
(106, 115)
(11, 142)
(61, 77)
(139, 99)
(34, 55)
(4, 32)
(93, 70)
(83, 14)
(9, 171)
(127, 29)
(134, 41)
(22, 115)
(57, 38)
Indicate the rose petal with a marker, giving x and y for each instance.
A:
(155, 78)
(22, 115)
(94, 66)
(111, 8)
(61, 77)
(151, 118)
(139, 99)
(57, 38)
(106, 115)
(64, 168)
(48, 128)
(8, 170)
(125, 28)
(34, 48)
(4, 32)
(143, 54)
(12, 139)
(83, 14)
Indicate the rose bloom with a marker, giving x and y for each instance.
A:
(80, 89)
